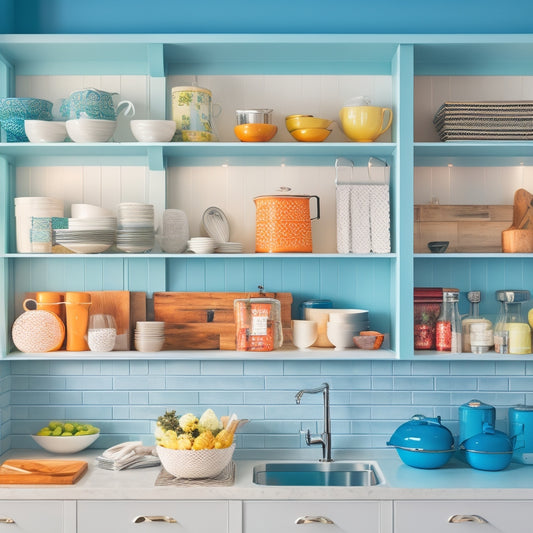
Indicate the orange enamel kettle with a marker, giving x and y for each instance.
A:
(283, 223)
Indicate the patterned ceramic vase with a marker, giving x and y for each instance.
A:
(95, 104)
(192, 111)
(14, 111)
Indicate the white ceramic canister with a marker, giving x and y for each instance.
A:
(27, 209)
(521, 433)
(192, 111)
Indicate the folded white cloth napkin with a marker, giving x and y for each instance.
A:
(128, 455)
(380, 219)
(360, 219)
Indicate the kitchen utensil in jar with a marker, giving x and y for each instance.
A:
(193, 111)
(37, 331)
(512, 333)
(283, 223)
(472, 416)
(423, 442)
(258, 324)
(521, 433)
(101, 333)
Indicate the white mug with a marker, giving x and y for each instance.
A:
(304, 333)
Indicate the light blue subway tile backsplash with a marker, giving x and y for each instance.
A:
(369, 399)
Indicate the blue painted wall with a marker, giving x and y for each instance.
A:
(274, 16)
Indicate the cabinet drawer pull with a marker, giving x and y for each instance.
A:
(6, 521)
(142, 518)
(458, 518)
(313, 520)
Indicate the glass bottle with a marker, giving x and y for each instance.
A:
(482, 342)
(512, 334)
(448, 327)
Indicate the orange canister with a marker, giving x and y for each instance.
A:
(77, 304)
(283, 223)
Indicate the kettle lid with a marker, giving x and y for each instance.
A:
(477, 404)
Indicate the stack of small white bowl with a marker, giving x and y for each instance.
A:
(202, 245)
(344, 324)
(149, 336)
(135, 232)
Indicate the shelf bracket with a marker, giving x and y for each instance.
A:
(156, 161)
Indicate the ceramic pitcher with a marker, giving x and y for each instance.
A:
(95, 104)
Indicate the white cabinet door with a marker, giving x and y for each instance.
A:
(463, 516)
(147, 516)
(32, 517)
(313, 517)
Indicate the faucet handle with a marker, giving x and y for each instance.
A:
(308, 437)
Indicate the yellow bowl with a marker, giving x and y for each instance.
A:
(255, 133)
(314, 135)
(301, 122)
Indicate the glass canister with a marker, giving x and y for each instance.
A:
(427, 306)
(476, 327)
(512, 334)
(258, 324)
(448, 327)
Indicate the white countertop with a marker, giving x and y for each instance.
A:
(454, 481)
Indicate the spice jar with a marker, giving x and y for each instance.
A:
(258, 324)
(448, 327)
(427, 306)
(482, 325)
(512, 334)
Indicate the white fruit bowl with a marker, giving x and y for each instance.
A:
(65, 444)
(90, 130)
(153, 131)
(195, 464)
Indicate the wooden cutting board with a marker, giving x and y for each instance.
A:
(205, 320)
(43, 471)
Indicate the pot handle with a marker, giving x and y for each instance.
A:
(317, 207)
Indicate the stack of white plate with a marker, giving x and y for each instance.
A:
(87, 235)
(217, 227)
(149, 336)
(202, 245)
(230, 248)
(135, 227)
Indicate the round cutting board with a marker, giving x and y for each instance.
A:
(38, 331)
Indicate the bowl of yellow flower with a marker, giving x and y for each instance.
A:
(191, 447)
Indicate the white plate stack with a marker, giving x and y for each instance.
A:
(217, 227)
(202, 245)
(87, 235)
(149, 336)
(135, 232)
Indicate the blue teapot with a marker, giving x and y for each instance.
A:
(95, 104)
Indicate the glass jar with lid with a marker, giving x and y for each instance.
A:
(477, 334)
(448, 327)
(512, 334)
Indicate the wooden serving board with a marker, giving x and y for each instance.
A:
(205, 320)
(43, 471)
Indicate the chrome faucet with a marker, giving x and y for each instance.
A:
(325, 437)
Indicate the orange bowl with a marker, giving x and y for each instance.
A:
(255, 133)
(314, 135)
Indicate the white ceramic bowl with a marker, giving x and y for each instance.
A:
(91, 130)
(153, 131)
(195, 463)
(341, 335)
(348, 315)
(89, 211)
(45, 131)
(65, 444)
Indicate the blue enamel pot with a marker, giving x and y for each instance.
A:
(423, 442)
(489, 450)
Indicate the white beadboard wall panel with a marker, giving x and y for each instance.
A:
(470, 185)
(432, 91)
(233, 189)
(322, 96)
(54, 88)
